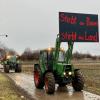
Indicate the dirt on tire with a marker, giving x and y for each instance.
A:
(78, 81)
(38, 79)
(49, 83)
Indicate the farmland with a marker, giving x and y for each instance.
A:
(89, 68)
(91, 72)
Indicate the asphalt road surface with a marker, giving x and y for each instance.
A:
(25, 81)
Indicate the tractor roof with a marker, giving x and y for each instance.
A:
(46, 50)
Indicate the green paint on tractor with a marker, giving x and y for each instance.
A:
(11, 62)
(54, 67)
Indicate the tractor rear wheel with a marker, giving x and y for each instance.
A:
(78, 81)
(38, 80)
(18, 68)
(6, 68)
(49, 83)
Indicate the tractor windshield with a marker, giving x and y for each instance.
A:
(61, 56)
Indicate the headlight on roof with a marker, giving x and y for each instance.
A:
(62, 49)
(8, 57)
(49, 49)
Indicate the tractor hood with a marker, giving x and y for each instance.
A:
(63, 67)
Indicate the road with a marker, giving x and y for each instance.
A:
(25, 81)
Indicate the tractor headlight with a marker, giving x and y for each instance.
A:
(64, 73)
(8, 57)
(70, 73)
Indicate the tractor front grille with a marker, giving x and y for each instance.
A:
(67, 68)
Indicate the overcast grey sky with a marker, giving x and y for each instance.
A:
(34, 23)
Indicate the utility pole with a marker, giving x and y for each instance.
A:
(4, 35)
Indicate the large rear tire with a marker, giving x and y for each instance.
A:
(38, 79)
(18, 68)
(6, 68)
(78, 81)
(49, 83)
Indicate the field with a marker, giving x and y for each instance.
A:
(89, 68)
(91, 72)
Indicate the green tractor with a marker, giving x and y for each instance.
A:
(54, 67)
(12, 63)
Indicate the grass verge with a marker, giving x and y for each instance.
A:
(8, 90)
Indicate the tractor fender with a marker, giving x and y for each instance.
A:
(76, 69)
(47, 72)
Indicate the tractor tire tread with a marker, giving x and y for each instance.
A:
(78, 81)
(51, 82)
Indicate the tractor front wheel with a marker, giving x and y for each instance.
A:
(78, 81)
(49, 83)
(18, 68)
(6, 68)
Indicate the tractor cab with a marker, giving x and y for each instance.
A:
(48, 57)
(12, 59)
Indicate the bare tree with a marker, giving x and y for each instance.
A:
(27, 54)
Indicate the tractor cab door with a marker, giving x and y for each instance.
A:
(47, 59)
(50, 59)
(43, 59)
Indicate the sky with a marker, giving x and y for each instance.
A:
(34, 23)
